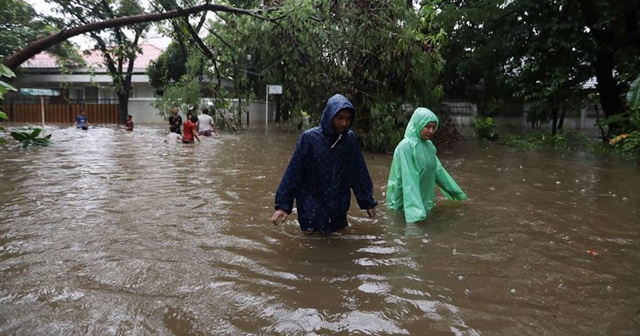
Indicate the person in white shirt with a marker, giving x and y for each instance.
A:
(173, 138)
(205, 124)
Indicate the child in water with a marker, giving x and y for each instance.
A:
(129, 124)
(82, 121)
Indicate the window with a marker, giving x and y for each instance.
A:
(108, 94)
(91, 94)
(79, 94)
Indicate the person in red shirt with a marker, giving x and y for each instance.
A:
(129, 124)
(190, 132)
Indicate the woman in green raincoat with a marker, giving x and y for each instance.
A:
(416, 170)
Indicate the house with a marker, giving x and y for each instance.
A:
(85, 87)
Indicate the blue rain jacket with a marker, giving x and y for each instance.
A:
(323, 170)
(416, 171)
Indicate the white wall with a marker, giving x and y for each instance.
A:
(142, 111)
(143, 90)
(257, 112)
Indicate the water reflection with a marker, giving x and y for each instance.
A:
(111, 232)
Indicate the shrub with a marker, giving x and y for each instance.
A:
(485, 128)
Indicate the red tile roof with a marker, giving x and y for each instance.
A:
(93, 58)
(41, 60)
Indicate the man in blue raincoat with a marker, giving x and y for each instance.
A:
(416, 170)
(326, 165)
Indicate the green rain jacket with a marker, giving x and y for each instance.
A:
(416, 170)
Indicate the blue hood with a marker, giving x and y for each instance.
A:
(334, 105)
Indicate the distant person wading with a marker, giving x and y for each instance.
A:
(82, 121)
(175, 120)
(206, 127)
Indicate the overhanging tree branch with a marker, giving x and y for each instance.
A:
(44, 43)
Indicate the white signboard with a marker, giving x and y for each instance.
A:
(274, 89)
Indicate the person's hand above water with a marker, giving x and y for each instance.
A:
(371, 212)
(278, 217)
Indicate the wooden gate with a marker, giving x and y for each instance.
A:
(60, 113)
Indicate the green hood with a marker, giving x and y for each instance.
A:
(421, 116)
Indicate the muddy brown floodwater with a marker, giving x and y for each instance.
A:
(109, 232)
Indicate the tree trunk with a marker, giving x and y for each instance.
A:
(555, 106)
(610, 97)
(554, 119)
(279, 111)
(123, 107)
(602, 133)
(562, 115)
(278, 117)
(606, 45)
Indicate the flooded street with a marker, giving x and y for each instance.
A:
(108, 232)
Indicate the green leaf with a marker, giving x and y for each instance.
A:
(633, 96)
(35, 132)
(6, 72)
(6, 86)
(19, 136)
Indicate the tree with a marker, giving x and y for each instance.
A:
(172, 64)
(41, 44)
(18, 18)
(118, 45)
(542, 50)
(381, 54)
(21, 24)
(183, 70)
(550, 74)
(168, 67)
(246, 4)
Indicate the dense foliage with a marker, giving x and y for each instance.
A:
(119, 46)
(541, 52)
(383, 55)
(20, 25)
(628, 141)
